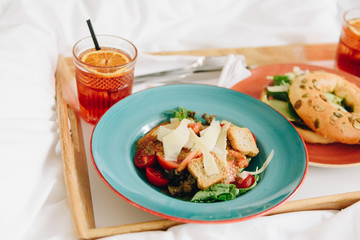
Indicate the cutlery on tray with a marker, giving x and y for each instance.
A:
(201, 65)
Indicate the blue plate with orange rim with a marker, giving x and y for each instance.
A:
(113, 149)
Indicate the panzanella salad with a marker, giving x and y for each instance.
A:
(200, 160)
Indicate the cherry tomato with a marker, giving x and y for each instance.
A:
(168, 165)
(156, 177)
(244, 183)
(142, 159)
(195, 127)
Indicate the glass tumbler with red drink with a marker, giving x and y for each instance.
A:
(104, 74)
(348, 51)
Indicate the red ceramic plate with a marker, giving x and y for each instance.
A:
(329, 155)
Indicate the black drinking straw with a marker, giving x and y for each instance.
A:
(97, 47)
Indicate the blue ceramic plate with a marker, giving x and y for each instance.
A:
(113, 150)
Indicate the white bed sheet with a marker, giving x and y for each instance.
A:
(33, 202)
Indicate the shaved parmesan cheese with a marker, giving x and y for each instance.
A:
(243, 174)
(210, 137)
(210, 166)
(176, 140)
(220, 146)
(174, 120)
(172, 125)
(190, 144)
(266, 163)
(202, 133)
(162, 132)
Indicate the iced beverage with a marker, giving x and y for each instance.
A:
(103, 77)
(348, 52)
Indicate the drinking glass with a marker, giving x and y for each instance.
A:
(105, 76)
(348, 51)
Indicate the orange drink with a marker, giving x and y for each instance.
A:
(348, 51)
(103, 77)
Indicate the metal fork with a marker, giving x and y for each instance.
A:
(202, 64)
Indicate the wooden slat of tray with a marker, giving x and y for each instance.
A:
(298, 53)
(74, 158)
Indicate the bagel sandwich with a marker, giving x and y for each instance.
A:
(323, 107)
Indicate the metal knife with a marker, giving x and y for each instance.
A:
(202, 64)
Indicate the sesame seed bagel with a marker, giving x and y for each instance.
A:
(310, 136)
(307, 95)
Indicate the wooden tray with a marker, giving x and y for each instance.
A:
(75, 162)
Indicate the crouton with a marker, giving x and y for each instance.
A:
(196, 168)
(151, 136)
(242, 140)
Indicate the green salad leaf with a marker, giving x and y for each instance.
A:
(281, 80)
(217, 192)
(220, 192)
(182, 113)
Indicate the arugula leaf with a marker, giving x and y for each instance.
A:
(182, 113)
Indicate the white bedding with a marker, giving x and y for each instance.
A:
(33, 203)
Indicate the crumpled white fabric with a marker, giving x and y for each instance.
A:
(33, 201)
(319, 225)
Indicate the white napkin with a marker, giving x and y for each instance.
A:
(234, 71)
(148, 63)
